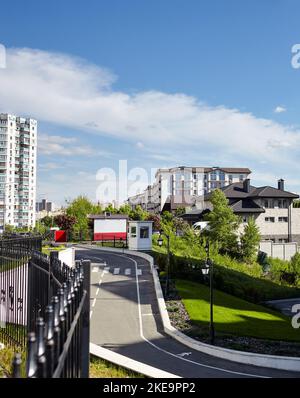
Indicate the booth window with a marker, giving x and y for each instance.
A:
(133, 232)
(144, 232)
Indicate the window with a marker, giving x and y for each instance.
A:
(133, 232)
(241, 177)
(222, 176)
(269, 219)
(283, 219)
(144, 232)
(213, 176)
(266, 204)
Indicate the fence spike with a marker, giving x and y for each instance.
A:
(49, 313)
(16, 373)
(31, 368)
(57, 331)
(40, 337)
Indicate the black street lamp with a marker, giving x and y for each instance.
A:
(209, 269)
(160, 243)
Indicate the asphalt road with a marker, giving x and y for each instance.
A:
(125, 319)
(284, 306)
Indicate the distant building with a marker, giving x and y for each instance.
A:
(18, 152)
(180, 186)
(44, 205)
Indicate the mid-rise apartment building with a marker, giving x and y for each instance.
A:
(180, 186)
(18, 152)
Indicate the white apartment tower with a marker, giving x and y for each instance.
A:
(18, 152)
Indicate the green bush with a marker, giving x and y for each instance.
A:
(231, 277)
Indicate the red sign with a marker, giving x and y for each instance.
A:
(60, 236)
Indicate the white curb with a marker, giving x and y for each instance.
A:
(249, 358)
(129, 363)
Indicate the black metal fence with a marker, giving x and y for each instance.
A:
(45, 306)
(14, 256)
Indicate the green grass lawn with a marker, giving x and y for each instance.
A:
(103, 369)
(47, 249)
(233, 315)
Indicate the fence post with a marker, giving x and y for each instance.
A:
(53, 257)
(85, 334)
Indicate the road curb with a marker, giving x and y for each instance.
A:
(130, 364)
(248, 358)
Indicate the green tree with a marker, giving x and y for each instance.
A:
(180, 211)
(125, 209)
(80, 208)
(294, 265)
(47, 221)
(167, 216)
(139, 214)
(250, 241)
(40, 228)
(111, 209)
(223, 223)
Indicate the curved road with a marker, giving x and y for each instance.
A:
(125, 318)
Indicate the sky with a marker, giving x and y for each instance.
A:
(155, 83)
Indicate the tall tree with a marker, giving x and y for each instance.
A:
(223, 223)
(80, 208)
(250, 241)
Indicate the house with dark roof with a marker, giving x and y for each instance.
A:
(272, 209)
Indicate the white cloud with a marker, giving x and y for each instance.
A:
(66, 146)
(69, 92)
(140, 145)
(280, 109)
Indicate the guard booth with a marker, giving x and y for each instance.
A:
(139, 235)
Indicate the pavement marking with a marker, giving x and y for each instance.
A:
(116, 271)
(184, 354)
(106, 270)
(127, 271)
(139, 272)
(94, 302)
(150, 314)
(170, 353)
(97, 291)
(91, 313)
(95, 269)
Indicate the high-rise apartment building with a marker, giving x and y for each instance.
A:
(18, 152)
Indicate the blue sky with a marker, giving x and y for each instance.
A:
(160, 83)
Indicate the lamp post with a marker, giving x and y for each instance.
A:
(209, 269)
(160, 242)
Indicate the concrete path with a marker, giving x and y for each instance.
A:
(125, 319)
